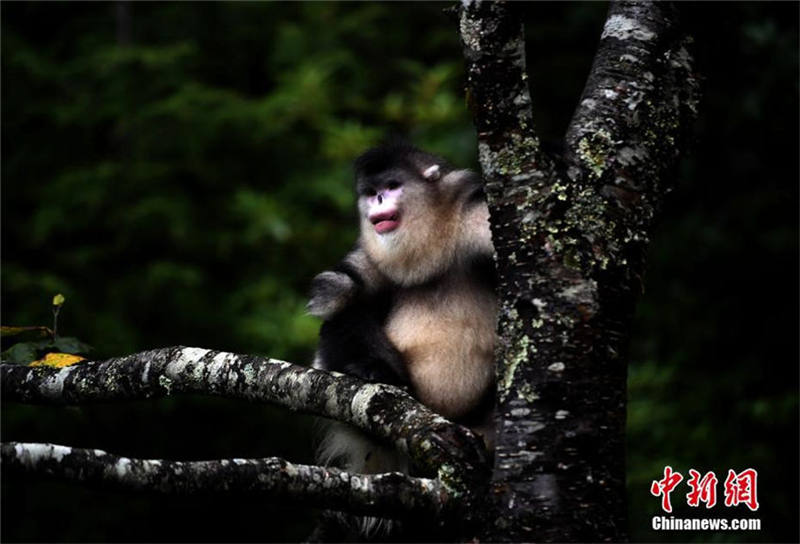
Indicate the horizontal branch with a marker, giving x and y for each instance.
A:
(387, 495)
(435, 445)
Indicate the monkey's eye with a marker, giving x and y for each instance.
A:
(369, 191)
(394, 185)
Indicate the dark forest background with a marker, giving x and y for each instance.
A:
(180, 171)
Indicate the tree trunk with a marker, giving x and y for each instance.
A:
(570, 234)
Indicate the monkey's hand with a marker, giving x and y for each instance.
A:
(330, 293)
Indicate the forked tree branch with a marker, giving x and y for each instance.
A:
(570, 237)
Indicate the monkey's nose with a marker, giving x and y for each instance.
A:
(380, 199)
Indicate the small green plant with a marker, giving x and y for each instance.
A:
(40, 344)
(58, 302)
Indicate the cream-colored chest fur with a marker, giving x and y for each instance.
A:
(446, 334)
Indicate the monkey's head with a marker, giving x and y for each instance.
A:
(415, 211)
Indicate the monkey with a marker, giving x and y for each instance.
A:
(413, 304)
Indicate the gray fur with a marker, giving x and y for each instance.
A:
(330, 292)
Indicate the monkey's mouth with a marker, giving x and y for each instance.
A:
(386, 221)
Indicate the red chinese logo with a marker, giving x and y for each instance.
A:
(665, 486)
(741, 489)
(703, 490)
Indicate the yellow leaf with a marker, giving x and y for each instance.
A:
(58, 360)
(58, 300)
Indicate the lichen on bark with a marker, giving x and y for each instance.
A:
(452, 454)
(570, 254)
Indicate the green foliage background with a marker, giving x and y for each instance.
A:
(180, 171)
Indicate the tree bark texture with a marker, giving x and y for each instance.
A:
(570, 235)
(450, 453)
(377, 495)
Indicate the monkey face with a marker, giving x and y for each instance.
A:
(398, 199)
(383, 207)
(413, 207)
(410, 224)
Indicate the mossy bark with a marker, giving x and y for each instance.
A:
(570, 234)
(451, 454)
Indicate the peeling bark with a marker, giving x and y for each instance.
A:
(570, 256)
(448, 451)
(391, 494)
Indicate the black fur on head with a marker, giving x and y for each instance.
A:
(396, 154)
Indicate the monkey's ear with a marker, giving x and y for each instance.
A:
(432, 173)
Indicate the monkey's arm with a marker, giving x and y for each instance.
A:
(353, 341)
(334, 290)
(353, 301)
(365, 353)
